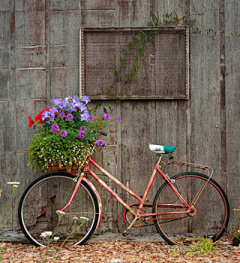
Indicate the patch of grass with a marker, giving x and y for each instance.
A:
(199, 245)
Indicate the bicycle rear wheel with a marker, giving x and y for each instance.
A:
(209, 218)
(49, 193)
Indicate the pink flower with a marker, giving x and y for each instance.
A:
(62, 115)
(83, 128)
(55, 128)
(69, 117)
(106, 116)
(63, 133)
(81, 135)
(118, 118)
(100, 143)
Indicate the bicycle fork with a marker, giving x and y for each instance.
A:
(78, 179)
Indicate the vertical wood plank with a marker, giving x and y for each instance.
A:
(232, 76)
(205, 95)
(39, 61)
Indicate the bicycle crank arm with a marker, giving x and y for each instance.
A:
(127, 231)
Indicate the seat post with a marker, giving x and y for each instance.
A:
(160, 159)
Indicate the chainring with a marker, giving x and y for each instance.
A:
(130, 217)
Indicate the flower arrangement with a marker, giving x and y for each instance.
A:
(67, 134)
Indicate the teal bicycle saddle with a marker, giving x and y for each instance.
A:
(162, 148)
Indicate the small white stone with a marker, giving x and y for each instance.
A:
(84, 259)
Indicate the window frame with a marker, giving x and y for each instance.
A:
(82, 86)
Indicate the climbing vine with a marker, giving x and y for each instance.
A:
(131, 56)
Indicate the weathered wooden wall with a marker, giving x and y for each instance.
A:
(39, 60)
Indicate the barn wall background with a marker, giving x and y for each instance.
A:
(39, 60)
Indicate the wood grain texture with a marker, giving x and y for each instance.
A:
(39, 60)
(232, 77)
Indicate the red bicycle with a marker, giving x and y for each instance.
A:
(181, 207)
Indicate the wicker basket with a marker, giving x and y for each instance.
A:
(54, 167)
(74, 167)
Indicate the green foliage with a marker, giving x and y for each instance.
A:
(198, 245)
(235, 231)
(126, 72)
(235, 228)
(47, 149)
(130, 59)
(65, 134)
(51, 238)
(201, 245)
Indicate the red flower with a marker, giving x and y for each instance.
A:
(97, 119)
(30, 122)
(41, 112)
(39, 116)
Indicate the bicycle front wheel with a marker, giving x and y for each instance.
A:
(210, 213)
(50, 193)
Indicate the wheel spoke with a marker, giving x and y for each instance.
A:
(209, 215)
(44, 197)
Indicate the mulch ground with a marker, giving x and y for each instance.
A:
(116, 252)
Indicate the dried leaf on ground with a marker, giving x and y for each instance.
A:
(117, 252)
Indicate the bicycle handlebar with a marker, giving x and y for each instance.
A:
(103, 133)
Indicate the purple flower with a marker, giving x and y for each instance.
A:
(67, 98)
(75, 98)
(76, 101)
(55, 128)
(45, 115)
(85, 99)
(62, 115)
(106, 116)
(52, 112)
(56, 101)
(81, 135)
(64, 104)
(82, 107)
(73, 108)
(91, 118)
(85, 116)
(63, 133)
(83, 128)
(69, 117)
(118, 118)
(99, 143)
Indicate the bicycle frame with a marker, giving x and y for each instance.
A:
(141, 200)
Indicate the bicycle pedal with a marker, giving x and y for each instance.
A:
(126, 232)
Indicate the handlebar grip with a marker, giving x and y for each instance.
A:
(103, 133)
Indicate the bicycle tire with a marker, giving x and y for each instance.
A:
(211, 217)
(49, 193)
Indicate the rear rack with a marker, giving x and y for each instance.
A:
(194, 165)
